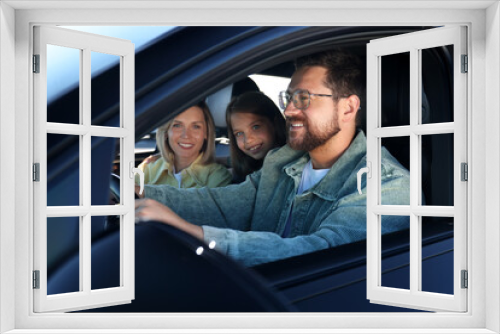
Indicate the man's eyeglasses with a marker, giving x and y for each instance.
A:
(301, 98)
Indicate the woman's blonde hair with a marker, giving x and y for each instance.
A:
(208, 147)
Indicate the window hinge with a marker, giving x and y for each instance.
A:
(36, 63)
(36, 279)
(36, 172)
(465, 63)
(465, 171)
(465, 279)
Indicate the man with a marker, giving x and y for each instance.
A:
(305, 196)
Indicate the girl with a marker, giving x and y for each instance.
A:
(187, 147)
(255, 125)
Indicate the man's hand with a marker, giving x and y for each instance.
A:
(148, 209)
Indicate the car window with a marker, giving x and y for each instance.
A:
(271, 85)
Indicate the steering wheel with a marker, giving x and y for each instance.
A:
(113, 222)
(114, 188)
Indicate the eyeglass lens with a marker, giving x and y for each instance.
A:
(300, 99)
(284, 99)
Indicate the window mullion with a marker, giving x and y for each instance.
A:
(416, 117)
(373, 194)
(422, 211)
(415, 248)
(85, 255)
(127, 113)
(85, 178)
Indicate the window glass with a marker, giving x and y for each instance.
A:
(105, 151)
(63, 170)
(399, 147)
(66, 230)
(395, 88)
(105, 251)
(63, 84)
(395, 253)
(105, 89)
(437, 95)
(437, 169)
(437, 254)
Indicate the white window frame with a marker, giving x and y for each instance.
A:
(413, 44)
(85, 43)
(483, 100)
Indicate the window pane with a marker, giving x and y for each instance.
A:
(63, 170)
(105, 252)
(399, 147)
(396, 252)
(63, 247)
(437, 85)
(437, 254)
(395, 94)
(63, 84)
(437, 169)
(103, 155)
(105, 89)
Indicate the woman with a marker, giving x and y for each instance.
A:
(187, 147)
(255, 126)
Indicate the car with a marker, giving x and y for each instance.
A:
(188, 64)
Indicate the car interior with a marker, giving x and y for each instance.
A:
(172, 277)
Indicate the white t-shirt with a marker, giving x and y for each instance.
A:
(178, 177)
(310, 177)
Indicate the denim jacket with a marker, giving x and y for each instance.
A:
(247, 220)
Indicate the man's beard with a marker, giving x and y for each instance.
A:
(312, 138)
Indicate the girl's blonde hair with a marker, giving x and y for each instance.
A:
(208, 147)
